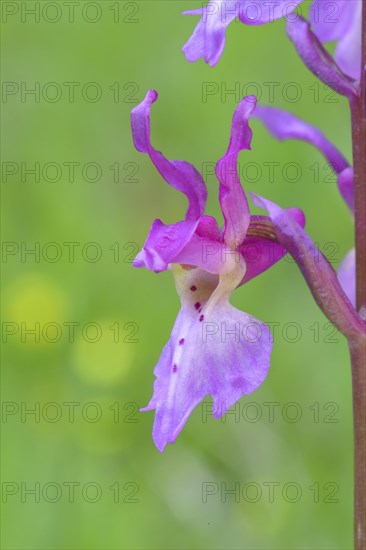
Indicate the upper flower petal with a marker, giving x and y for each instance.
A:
(179, 174)
(284, 125)
(340, 20)
(317, 59)
(234, 204)
(214, 349)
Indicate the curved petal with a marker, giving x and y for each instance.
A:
(163, 244)
(179, 174)
(284, 125)
(184, 243)
(234, 204)
(214, 349)
(317, 59)
(347, 276)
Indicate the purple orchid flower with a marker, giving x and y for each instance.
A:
(339, 20)
(209, 36)
(214, 349)
(284, 125)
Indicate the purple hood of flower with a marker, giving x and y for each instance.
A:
(339, 21)
(214, 349)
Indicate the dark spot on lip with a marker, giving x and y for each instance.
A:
(197, 305)
(193, 288)
(175, 367)
(201, 318)
(181, 341)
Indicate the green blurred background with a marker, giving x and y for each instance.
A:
(86, 452)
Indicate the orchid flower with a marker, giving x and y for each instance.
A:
(339, 20)
(284, 125)
(209, 36)
(214, 349)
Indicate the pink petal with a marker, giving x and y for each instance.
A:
(179, 174)
(208, 38)
(284, 125)
(180, 243)
(234, 204)
(164, 243)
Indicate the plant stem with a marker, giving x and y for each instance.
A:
(358, 346)
(358, 110)
(358, 359)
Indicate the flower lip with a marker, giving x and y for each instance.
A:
(206, 364)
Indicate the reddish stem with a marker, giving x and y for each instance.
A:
(358, 110)
(358, 347)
